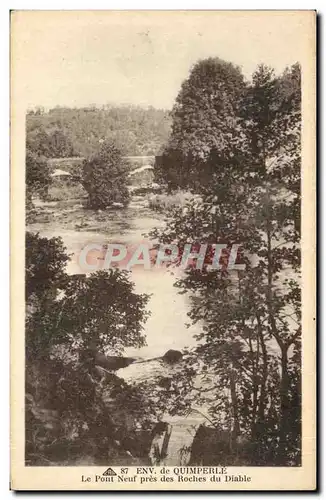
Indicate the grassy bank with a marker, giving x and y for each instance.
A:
(166, 201)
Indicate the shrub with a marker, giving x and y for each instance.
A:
(105, 177)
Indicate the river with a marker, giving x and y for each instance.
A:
(166, 327)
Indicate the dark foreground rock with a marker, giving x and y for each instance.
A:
(172, 356)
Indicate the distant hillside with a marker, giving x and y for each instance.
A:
(68, 132)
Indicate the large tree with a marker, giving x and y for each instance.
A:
(250, 342)
(68, 320)
(205, 123)
(101, 310)
(105, 177)
(273, 118)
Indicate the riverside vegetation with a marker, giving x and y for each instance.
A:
(231, 173)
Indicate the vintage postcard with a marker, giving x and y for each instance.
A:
(163, 250)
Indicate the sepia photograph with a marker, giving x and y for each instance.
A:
(161, 218)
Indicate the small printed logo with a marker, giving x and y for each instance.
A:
(109, 472)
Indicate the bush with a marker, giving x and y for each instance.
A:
(37, 176)
(105, 177)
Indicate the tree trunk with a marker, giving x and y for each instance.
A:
(235, 413)
(262, 399)
(258, 427)
(285, 406)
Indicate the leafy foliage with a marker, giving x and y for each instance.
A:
(64, 132)
(105, 177)
(37, 175)
(205, 122)
(71, 408)
(236, 146)
(103, 311)
(248, 357)
(52, 143)
(45, 265)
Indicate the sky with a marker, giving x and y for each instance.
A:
(100, 57)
